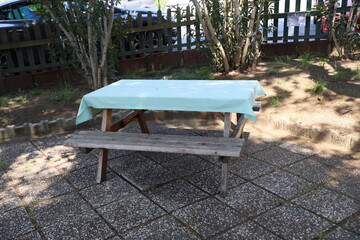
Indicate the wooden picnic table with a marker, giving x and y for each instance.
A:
(221, 96)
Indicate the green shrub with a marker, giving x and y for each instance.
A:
(275, 102)
(4, 101)
(318, 87)
(64, 94)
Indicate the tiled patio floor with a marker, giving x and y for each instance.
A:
(278, 191)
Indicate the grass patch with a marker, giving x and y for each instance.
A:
(318, 88)
(2, 164)
(37, 92)
(19, 99)
(305, 60)
(32, 215)
(340, 75)
(4, 101)
(64, 94)
(275, 102)
(198, 73)
(323, 61)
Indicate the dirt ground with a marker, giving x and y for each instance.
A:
(286, 81)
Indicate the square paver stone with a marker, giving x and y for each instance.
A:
(291, 222)
(15, 223)
(74, 162)
(43, 189)
(329, 204)
(161, 157)
(283, 184)
(175, 195)
(32, 174)
(300, 149)
(141, 171)
(130, 212)
(250, 168)
(84, 177)
(255, 144)
(30, 236)
(15, 151)
(84, 226)
(209, 217)
(247, 231)
(251, 200)
(313, 170)
(354, 224)
(8, 198)
(341, 234)
(187, 165)
(53, 146)
(113, 189)
(64, 208)
(163, 228)
(347, 182)
(278, 156)
(210, 180)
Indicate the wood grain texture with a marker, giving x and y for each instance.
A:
(230, 147)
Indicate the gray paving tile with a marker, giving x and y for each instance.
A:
(53, 146)
(209, 217)
(74, 162)
(8, 198)
(3, 178)
(15, 223)
(255, 144)
(43, 189)
(66, 207)
(247, 231)
(13, 151)
(187, 165)
(89, 226)
(347, 182)
(32, 174)
(210, 180)
(141, 171)
(84, 177)
(278, 156)
(354, 224)
(163, 228)
(329, 204)
(341, 234)
(161, 157)
(250, 168)
(113, 189)
(30, 236)
(251, 200)
(291, 222)
(130, 212)
(175, 195)
(313, 170)
(283, 184)
(31, 159)
(300, 149)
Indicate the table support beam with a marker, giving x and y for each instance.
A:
(225, 161)
(103, 153)
(142, 123)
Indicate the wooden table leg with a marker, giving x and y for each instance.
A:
(142, 122)
(103, 155)
(225, 160)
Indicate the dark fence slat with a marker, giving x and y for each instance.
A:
(286, 28)
(169, 30)
(159, 20)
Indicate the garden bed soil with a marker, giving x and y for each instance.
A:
(286, 81)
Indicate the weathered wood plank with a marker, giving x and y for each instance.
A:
(227, 124)
(238, 131)
(230, 147)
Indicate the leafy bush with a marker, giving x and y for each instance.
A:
(275, 102)
(318, 87)
(4, 101)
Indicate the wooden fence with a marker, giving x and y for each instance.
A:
(308, 20)
(28, 50)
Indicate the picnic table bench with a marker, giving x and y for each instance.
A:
(109, 138)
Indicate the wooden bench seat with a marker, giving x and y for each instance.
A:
(226, 147)
(223, 147)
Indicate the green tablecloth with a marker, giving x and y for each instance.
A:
(177, 95)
